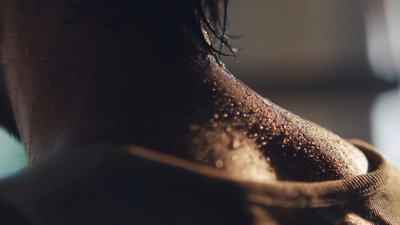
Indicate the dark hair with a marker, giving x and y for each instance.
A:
(210, 15)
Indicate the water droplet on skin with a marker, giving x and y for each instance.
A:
(260, 127)
(216, 116)
(234, 157)
(206, 160)
(221, 63)
(219, 163)
(194, 127)
(225, 115)
(228, 129)
(199, 156)
(235, 143)
(266, 101)
(286, 114)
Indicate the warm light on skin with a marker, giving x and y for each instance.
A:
(82, 82)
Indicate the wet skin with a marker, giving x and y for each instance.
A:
(82, 82)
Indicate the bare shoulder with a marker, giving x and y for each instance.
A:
(250, 136)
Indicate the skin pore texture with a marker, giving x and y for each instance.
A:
(82, 82)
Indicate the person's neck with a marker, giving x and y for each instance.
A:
(200, 112)
(84, 83)
(151, 104)
(90, 83)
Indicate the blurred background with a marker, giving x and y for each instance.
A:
(336, 63)
(12, 155)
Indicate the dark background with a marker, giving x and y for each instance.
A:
(310, 57)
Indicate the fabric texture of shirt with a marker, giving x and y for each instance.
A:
(106, 184)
